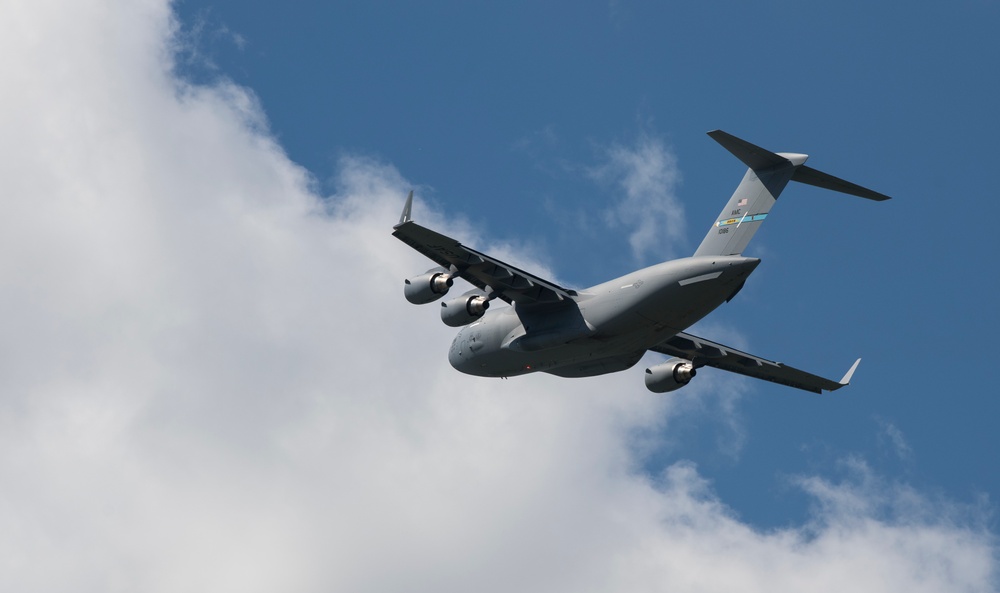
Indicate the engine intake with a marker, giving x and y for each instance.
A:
(670, 375)
(427, 287)
(464, 309)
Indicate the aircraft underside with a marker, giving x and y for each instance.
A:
(473, 354)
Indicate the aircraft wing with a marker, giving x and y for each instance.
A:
(492, 275)
(702, 352)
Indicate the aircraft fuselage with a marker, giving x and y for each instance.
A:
(603, 329)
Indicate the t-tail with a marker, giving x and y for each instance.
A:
(768, 174)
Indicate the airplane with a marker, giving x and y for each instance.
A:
(608, 327)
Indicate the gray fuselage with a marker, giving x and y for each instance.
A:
(603, 329)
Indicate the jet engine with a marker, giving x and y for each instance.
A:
(427, 287)
(464, 309)
(670, 375)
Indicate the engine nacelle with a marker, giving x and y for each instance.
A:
(464, 309)
(670, 375)
(427, 287)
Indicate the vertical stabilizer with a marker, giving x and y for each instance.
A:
(767, 176)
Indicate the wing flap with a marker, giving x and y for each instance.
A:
(482, 271)
(704, 352)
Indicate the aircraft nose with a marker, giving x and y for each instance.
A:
(457, 355)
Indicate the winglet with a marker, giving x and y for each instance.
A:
(405, 216)
(847, 378)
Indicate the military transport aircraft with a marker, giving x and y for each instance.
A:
(608, 327)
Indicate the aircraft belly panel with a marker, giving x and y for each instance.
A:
(599, 366)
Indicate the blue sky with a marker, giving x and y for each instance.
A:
(210, 378)
(502, 112)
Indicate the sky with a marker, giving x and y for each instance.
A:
(210, 379)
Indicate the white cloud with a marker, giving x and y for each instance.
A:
(210, 380)
(889, 432)
(647, 175)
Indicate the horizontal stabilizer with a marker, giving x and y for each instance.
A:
(811, 176)
(753, 156)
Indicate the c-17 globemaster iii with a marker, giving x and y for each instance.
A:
(609, 327)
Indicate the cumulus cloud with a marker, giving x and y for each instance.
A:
(210, 380)
(647, 176)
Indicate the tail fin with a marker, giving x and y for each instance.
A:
(767, 176)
